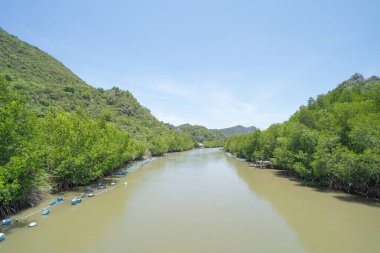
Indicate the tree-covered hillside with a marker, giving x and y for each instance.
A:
(23, 62)
(58, 132)
(200, 134)
(48, 84)
(57, 151)
(333, 141)
(237, 130)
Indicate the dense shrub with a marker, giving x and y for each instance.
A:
(333, 141)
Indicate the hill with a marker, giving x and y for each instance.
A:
(20, 61)
(200, 134)
(57, 132)
(237, 130)
(49, 85)
(333, 141)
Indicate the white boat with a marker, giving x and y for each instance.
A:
(2, 237)
(32, 224)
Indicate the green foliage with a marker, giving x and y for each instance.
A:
(62, 149)
(18, 175)
(333, 141)
(162, 144)
(56, 131)
(14, 122)
(213, 143)
(200, 134)
(77, 150)
(19, 60)
(48, 85)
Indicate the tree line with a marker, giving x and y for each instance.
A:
(61, 149)
(332, 141)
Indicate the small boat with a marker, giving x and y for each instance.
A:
(101, 186)
(90, 195)
(7, 222)
(45, 211)
(60, 199)
(2, 237)
(32, 224)
(75, 201)
(52, 203)
(126, 183)
(113, 183)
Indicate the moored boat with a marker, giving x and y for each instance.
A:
(7, 222)
(32, 224)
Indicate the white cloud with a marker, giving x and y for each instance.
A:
(208, 104)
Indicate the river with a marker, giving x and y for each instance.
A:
(203, 201)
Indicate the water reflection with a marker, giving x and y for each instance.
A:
(322, 221)
(203, 201)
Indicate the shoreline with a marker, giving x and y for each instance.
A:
(118, 173)
(294, 175)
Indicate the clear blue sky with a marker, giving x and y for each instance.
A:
(215, 63)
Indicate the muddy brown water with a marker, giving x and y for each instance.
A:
(202, 201)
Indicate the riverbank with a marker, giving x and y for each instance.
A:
(129, 167)
(203, 201)
(35, 198)
(350, 189)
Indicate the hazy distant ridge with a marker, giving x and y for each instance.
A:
(237, 130)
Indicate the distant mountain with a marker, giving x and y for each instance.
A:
(237, 130)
